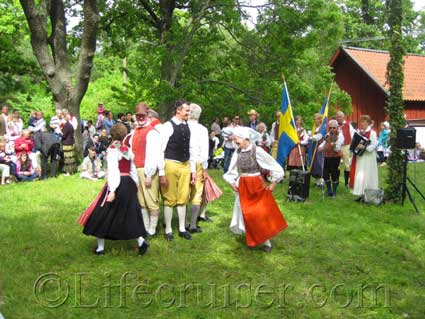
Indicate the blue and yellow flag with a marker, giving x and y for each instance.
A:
(324, 112)
(288, 137)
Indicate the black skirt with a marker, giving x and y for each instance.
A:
(120, 219)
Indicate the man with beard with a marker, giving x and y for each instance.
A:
(177, 152)
(147, 150)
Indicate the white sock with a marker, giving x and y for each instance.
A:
(168, 216)
(203, 211)
(181, 212)
(100, 244)
(152, 226)
(268, 243)
(146, 219)
(140, 241)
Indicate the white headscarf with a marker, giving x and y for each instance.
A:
(247, 133)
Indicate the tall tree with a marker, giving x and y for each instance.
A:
(47, 23)
(395, 104)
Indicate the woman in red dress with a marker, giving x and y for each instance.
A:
(255, 212)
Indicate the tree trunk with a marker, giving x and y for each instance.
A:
(52, 54)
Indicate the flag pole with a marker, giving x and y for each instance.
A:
(293, 121)
(317, 144)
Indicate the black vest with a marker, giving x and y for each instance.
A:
(178, 144)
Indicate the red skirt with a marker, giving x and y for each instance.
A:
(262, 217)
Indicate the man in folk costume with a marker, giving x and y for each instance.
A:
(364, 168)
(331, 146)
(255, 211)
(274, 134)
(200, 148)
(347, 130)
(147, 151)
(176, 152)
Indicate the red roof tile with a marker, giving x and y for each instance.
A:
(374, 63)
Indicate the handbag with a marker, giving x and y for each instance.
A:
(374, 196)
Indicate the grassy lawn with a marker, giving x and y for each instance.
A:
(337, 259)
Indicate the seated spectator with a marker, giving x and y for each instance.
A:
(32, 119)
(4, 165)
(91, 168)
(7, 158)
(100, 148)
(24, 143)
(108, 121)
(24, 168)
(104, 139)
(39, 122)
(91, 128)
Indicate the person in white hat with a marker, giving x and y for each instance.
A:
(255, 210)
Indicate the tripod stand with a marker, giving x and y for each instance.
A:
(404, 186)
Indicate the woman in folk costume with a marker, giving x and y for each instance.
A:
(317, 138)
(115, 213)
(255, 211)
(364, 169)
(294, 160)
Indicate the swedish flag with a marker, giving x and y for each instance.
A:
(324, 112)
(288, 137)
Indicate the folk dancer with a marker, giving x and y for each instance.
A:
(200, 148)
(176, 152)
(146, 148)
(115, 213)
(255, 210)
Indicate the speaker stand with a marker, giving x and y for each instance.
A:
(405, 189)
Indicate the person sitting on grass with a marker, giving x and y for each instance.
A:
(24, 169)
(91, 168)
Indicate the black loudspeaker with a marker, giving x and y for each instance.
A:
(406, 138)
(299, 185)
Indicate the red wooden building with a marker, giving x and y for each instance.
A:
(362, 74)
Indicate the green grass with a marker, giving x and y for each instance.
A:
(319, 264)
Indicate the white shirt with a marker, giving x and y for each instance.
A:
(263, 159)
(200, 142)
(153, 160)
(166, 131)
(39, 125)
(113, 156)
(273, 138)
(337, 146)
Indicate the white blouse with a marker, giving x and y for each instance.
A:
(113, 156)
(263, 159)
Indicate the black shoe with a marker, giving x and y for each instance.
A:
(149, 236)
(359, 199)
(267, 249)
(143, 248)
(204, 219)
(169, 236)
(100, 252)
(195, 230)
(185, 235)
